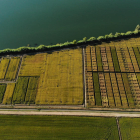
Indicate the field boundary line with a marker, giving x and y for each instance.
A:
(84, 81)
(19, 66)
(119, 131)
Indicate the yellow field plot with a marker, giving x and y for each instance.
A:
(109, 58)
(32, 65)
(127, 57)
(93, 55)
(134, 87)
(8, 93)
(90, 91)
(3, 67)
(104, 59)
(133, 59)
(120, 59)
(109, 90)
(121, 90)
(12, 69)
(62, 80)
(115, 90)
(88, 59)
(103, 90)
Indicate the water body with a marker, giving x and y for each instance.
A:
(25, 22)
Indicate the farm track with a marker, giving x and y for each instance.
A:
(69, 113)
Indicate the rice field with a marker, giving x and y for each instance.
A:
(61, 81)
(113, 74)
(44, 79)
(57, 128)
(12, 69)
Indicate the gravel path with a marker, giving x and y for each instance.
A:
(69, 113)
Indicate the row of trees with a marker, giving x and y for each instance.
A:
(84, 41)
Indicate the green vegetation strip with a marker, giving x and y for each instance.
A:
(128, 90)
(2, 91)
(137, 54)
(31, 90)
(115, 59)
(97, 89)
(57, 128)
(130, 128)
(107, 37)
(99, 59)
(20, 90)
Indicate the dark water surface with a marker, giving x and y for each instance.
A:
(25, 22)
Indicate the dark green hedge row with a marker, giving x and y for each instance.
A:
(84, 41)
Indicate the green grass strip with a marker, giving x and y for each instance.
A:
(2, 91)
(57, 128)
(115, 60)
(31, 90)
(97, 89)
(137, 54)
(99, 59)
(130, 128)
(20, 90)
(128, 90)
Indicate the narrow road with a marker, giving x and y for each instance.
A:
(69, 113)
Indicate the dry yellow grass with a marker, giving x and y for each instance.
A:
(8, 93)
(12, 69)
(3, 67)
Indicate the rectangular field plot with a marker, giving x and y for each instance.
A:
(12, 69)
(130, 128)
(7, 99)
(115, 90)
(20, 90)
(2, 91)
(61, 81)
(3, 67)
(32, 64)
(57, 128)
(31, 90)
(112, 58)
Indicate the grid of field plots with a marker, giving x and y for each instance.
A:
(42, 79)
(113, 74)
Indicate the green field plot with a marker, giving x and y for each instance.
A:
(115, 59)
(130, 128)
(31, 90)
(20, 90)
(99, 59)
(3, 67)
(57, 128)
(97, 89)
(2, 91)
(137, 54)
(12, 69)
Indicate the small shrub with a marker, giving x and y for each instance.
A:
(100, 38)
(74, 42)
(128, 33)
(137, 27)
(91, 39)
(85, 39)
